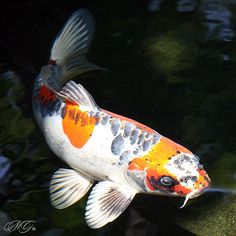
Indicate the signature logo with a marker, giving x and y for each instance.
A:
(20, 226)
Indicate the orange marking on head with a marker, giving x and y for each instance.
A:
(181, 190)
(139, 125)
(203, 180)
(167, 148)
(155, 175)
(153, 183)
(45, 94)
(159, 155)
(77, 125)
(138, 164)
(154, 164)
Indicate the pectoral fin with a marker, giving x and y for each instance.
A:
(67, 187)
(106, 202)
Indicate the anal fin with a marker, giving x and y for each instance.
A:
(67, 186)
(106, 202)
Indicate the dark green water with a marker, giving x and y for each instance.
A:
(173, 71)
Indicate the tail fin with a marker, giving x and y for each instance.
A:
(72, 44)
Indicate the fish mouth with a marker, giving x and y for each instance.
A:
(192, 195)
(201, 185)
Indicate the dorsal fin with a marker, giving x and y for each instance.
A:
(76, 93)
(72, 45)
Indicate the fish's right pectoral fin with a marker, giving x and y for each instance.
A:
(67, 186)
(106, 202)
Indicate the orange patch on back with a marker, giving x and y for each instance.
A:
(139, 125)
(77, 125)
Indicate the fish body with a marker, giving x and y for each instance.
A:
(125, 156)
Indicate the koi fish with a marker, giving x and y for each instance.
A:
(123, 155)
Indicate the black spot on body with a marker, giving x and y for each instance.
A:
(52, 106)
(115, 126)
(56, 105)
(49, 108)
(194, 178)
(117, 145)
(72, 114)
(180, 160)
(63, 112)
(134, 136)
(155, 139)
(146, 145)
(124, 156)
(84, 120)
(127, 130)
(104, 120)
(77, 116)
(137, 150)
(141, 138)
(185, 179)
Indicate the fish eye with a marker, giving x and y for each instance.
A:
(167, 181)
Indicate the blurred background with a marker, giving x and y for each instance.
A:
(170, 65)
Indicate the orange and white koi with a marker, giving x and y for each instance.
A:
(124, 156)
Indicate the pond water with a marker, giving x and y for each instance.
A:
(172, 68)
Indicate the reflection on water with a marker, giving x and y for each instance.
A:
(181, 5)
(217, 15)
(180, 88)
(218, 20)
(186, 5)
(4, 170)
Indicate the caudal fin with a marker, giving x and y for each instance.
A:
(72, 45)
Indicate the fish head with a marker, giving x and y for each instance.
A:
(169, 169)
(187, 176)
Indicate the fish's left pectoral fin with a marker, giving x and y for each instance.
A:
(67, 186)
(106, 202)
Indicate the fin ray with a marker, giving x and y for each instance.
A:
(106, 202)
(67, 187)
(79, 95)
(72, 44)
